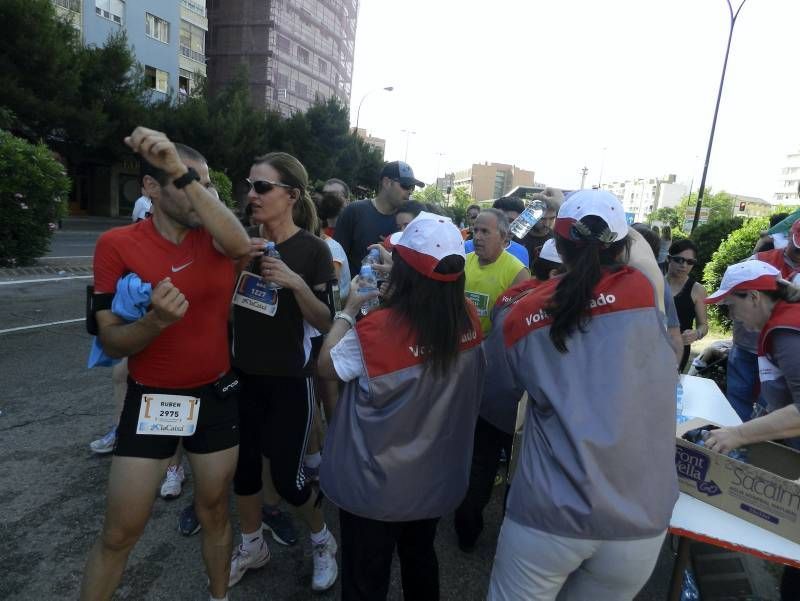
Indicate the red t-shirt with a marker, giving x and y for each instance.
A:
(194, 350)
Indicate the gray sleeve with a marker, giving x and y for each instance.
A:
(786, 355)
(670, 310)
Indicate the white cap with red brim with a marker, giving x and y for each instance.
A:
(428, 239)
(748, 275)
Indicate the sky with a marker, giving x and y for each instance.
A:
(624, 87)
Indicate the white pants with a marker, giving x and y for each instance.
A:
(533, 565)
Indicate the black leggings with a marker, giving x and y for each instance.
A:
(275, 417)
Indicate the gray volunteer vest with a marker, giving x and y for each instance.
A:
(401, 449)
(500, 392)
(598, 456)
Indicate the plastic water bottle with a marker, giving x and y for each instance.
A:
(271, 251)
(534, 209)
(679, 396)
(372, 258)
(367, 282)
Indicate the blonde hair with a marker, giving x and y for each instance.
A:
(292, 172)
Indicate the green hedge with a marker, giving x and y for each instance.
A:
(33, 189)
(737, 247)
(708, 237)
(224, 188)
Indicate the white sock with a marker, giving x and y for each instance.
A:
(252, 542)
(320, 537)
(313, 460)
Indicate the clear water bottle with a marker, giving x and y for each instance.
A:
(271, 251)
(534, 209)
(373, 257)
(367, 282)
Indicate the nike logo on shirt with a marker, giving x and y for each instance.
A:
(177, 269)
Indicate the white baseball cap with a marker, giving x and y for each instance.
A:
(428, 239)
(549, 252)
(599, 203)
(748, 275)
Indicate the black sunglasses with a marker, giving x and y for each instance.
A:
(681, 260)
(264, 186)
(404, 186)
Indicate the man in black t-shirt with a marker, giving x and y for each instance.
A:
(368, 221)
(543, 230)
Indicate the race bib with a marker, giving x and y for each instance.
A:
(168, 415)
(481, 302)
(252, 293)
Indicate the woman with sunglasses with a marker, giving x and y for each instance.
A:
(689, 295)
(271, 352)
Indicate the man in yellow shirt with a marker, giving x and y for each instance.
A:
(490, 270)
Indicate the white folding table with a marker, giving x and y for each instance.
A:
(696, 520)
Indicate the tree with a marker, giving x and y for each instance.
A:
(708, 238)
(668, 215)
(431, 194)
(461, 200)
(33, 188)
(719, 205)
(79, 100)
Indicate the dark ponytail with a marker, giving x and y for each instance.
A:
(585, 261)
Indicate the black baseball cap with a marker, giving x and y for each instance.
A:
(401, 172)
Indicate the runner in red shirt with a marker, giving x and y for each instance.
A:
(179, 372)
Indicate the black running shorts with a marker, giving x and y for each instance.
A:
(217, 424)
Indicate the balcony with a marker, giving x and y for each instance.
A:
(73, 5)
(195, 7)
(193, 54)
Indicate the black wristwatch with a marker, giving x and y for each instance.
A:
(187, 178)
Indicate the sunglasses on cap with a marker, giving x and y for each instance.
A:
(404, 186)
(264, 186)
(682, 260)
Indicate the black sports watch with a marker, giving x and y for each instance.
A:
(187, 178)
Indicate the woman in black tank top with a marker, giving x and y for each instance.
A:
(688, 294)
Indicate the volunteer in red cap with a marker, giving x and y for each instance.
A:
(757, 296)
(595, 484)
(398, 448)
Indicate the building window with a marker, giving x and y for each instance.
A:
(185, 83)
(283, 44)
(113, 10)
(300, 89)
(193, 42)
(156, 79)
(302, 55)
(281, 81)
(156, 28)
(323, 66)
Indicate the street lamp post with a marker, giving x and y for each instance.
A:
(702, 189)
(408, 133)
(358, 112)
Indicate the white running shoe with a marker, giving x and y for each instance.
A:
(244, 560)
(171, 486)
(325, 568)
(106, 444)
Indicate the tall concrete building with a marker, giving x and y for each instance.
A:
(790, 180)
(295, 50)
(168, 39)
(490, 180)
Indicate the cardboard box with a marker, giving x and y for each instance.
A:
(763, 491)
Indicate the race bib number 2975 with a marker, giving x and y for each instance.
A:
(168, 415)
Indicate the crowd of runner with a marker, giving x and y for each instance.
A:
(243, 344)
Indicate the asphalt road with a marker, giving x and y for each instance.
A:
(52, 487)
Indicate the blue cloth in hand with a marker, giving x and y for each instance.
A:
(130, 303)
